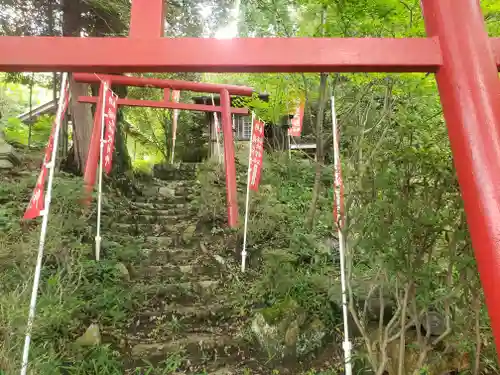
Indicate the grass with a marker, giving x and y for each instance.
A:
(74, 292)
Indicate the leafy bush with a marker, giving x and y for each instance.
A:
(286, 261)
(18, 132)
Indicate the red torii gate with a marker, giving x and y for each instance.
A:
(457, 50)
(225, 108)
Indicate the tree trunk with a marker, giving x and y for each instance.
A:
(121, 157)
(82, 127)
(81, 114)
(50, 18)
(323, 98)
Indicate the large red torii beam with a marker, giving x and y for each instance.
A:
(465, 61)
(252, 55)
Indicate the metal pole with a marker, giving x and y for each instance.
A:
(99, 194)
(175, 115)
(470, 89)
(216, 123)
(289, 147)
(43, 231)
(30, 131)
(173, 151)
(339, 221)
(244, 251)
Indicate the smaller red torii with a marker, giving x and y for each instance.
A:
(166, 105)
(225, 108)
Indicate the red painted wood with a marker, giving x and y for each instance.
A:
(120, 55)
(147, 19)
(89, 176)
(231, 188)
(164, 83)
(470, 94)
(168, 105)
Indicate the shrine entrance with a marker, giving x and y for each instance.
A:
(457, 50)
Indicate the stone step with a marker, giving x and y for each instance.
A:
(188, 292)
(160, 200)
(175, 190)
(166, 241)
(188, 315)
(160, 273)
(175, 174)
(226, 370)
(185, 229)
(209, 349)
(163, 211)
(149, 208)
(179, 182)
(162, 256)
(141, 218)
(161, 241)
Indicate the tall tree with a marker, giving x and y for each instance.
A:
(81, 115)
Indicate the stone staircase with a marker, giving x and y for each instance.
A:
(186, 314)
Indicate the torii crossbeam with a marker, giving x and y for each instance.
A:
(458, 51)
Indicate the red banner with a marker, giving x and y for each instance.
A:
(297, 121)
(218, 128)
(94, 153)
(256, 154)
(338, 184)
(110, 108)
(37, 201)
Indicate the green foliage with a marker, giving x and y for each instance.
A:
(491, 11)
(98, 360)
(292, 263)
(74, 289)
(15, 94)
(17, 132)
(150, 131)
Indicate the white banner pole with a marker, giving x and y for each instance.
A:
(338, 199)
(216, 122)
(244, 251)
(99, 194)
(173, 151)
(43, 231)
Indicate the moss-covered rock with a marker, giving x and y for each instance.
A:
(283, 331)
(91, 337)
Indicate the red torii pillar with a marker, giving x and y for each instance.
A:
(231, 187)
(470, 94)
